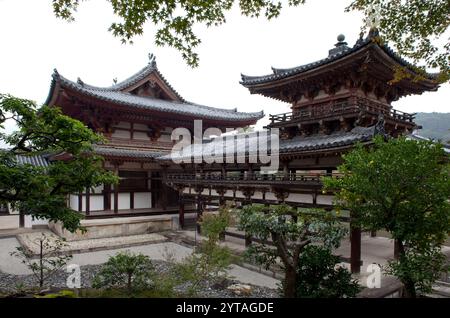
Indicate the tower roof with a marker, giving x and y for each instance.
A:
(369, 50)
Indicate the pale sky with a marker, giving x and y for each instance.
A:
(34, 42)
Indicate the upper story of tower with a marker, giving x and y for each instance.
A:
(352, 86)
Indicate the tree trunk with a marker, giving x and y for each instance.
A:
(410, 286)
(129, 281)
(41, 265)
(290, 280)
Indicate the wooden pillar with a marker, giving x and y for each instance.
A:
(199, 212)
(80, 202)
(116, 190)
(21, 219)
(224, 171)
(88, 201)
(181, 211)
(355, 248)
(396, 249)
(164, 188)
(107, 197)
(247, 237)
(131, 200)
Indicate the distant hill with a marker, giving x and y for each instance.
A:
(434, 125)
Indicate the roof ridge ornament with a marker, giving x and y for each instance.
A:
(79, 81)
(340, 46)
(152, 60)
(55, 73)
(380, 126)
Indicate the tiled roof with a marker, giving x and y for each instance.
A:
(115, 94)
(135, 78)
(296, 144)
(335, 54)
(37, 160)
(126, 152)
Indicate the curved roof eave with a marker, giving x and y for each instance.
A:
(127, 99)
(280, 73)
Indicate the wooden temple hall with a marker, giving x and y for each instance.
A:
(337, 101)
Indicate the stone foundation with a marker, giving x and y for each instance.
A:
(113, 227)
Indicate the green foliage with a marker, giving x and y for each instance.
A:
(38, 191)
(402, 186)
(419, 269)
(319, 277)
(416, 27)
(413, 26)
(210, 261)
(49, 261)
(60, 294)
(126, 270)
(290, 230)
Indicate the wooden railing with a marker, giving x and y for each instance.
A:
(342, 107)
(249, 177)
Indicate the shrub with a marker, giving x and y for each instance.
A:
(126, 270)
(319, 277)
(210, 261)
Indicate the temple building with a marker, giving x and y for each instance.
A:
(137, 117)
(336, 102)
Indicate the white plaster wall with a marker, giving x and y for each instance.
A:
(325, 199)
(257, 195)
(140, 126)
(73, 202)
(32, 221)
(121, 134)
(142, 200)
(138, 135)
(270, 196)
(8, 222)
(96, 203)
(229, 193)
(239, 194)
(165, 138)
(298, 197)
(123, 124)
(124, 201)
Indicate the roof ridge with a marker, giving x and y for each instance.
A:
(142, 102)
(372, 37)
